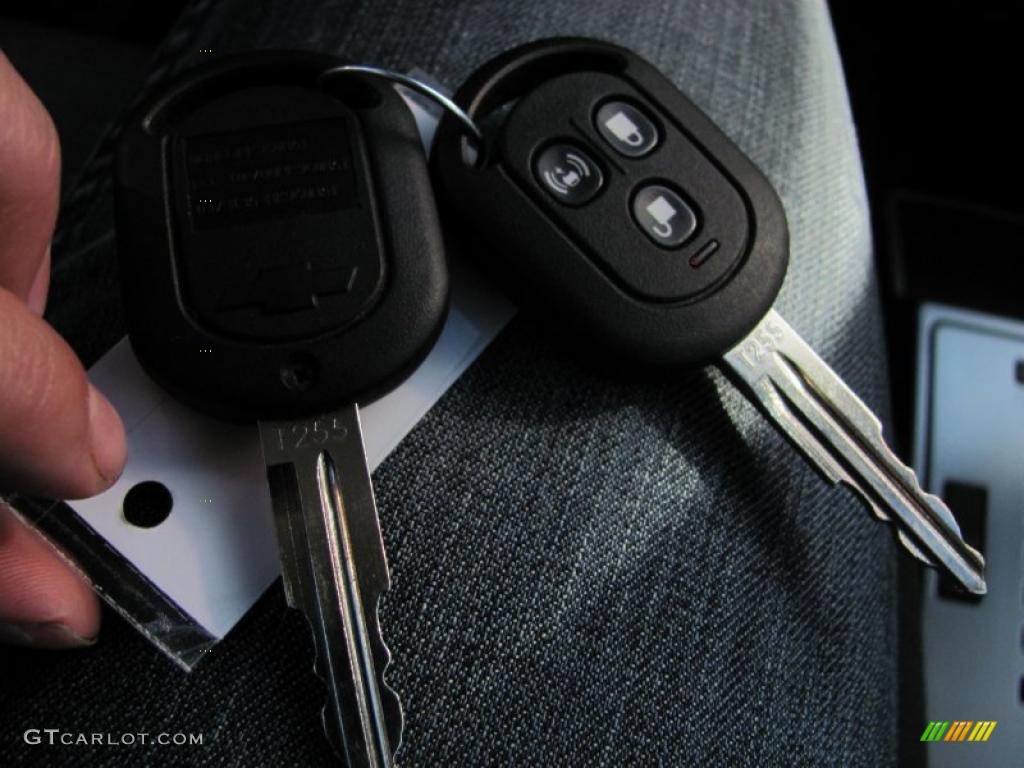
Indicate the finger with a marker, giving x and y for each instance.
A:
(29, 183)
(58, 435)
(43, 602)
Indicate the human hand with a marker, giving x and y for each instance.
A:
(59, 436)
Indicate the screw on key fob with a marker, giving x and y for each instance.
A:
(281, 260)
(602, 191)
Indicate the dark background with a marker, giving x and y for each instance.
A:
(934, 89)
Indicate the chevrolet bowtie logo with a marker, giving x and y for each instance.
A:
(958, 730)
(288, 288)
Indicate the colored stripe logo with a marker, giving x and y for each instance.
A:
(958, 730)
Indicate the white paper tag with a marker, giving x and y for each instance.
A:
(216, 553)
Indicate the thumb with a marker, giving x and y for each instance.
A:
(58, 435)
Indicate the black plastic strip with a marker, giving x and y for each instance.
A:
(117, 580)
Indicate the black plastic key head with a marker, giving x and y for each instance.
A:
(279, 245)
(606, 194)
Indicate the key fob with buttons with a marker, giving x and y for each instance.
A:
(607, 197)
(605, 193)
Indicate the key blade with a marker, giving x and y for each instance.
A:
(335, 569)
(843, 439)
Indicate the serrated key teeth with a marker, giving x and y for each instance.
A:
(876, 511)
(346, 747)
(342, 711)
(912, 548)
(960, 560)
(390, 701)
(335, 569)
(840, 435)
(394, 717)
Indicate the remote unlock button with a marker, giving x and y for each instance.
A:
(568, 173)
(664, 216)
(628, 130)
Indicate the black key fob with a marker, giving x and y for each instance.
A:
(279, 246)
(605, 194)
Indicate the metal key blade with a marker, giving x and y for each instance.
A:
(842, 437)
(335, 569)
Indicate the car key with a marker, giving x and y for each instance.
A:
(281, 261)
(600, 191)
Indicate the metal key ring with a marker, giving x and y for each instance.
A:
(413, 84)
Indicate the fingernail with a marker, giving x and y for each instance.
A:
(106, 436)
(51, 634)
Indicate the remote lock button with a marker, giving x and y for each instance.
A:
(568, 173)
(628, 130)
(664, 216)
